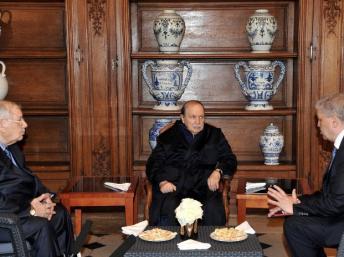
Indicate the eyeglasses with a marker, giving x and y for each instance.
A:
(21, 120)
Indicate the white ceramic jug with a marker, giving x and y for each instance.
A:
(3, 81)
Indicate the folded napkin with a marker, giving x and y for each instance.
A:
(251, 185)
(116, 186)
(191, 244)
(135, 229)
(246, 228)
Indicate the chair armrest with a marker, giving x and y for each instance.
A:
(10, 222)
(149, 194)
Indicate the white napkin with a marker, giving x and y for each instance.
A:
(116, 186)
(135, 229)
(246, 228)
(191, 244)
(250, 185)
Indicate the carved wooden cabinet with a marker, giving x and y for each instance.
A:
(215, 40)
(98, 100)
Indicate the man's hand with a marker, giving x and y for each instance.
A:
(167, 187)
(281, 201)
(213, 180)
(44, 206)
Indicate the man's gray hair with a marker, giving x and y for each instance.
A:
(6, 107)
(332, 105)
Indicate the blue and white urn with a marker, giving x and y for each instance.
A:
(167, 83)
(169, 29)
(259, 86)
(261, 28)
(154, 132)
(271, 143)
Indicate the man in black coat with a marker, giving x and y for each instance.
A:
(317, 220)
(46, 225)
(188, 162)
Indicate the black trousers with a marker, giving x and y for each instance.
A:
(307, 236)
(50, 238)
(213, 209)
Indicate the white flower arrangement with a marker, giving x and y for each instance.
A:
(188, 211)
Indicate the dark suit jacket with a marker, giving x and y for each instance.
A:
(329, 202)
(18, 186)
(187, 164)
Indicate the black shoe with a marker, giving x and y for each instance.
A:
(80, 240)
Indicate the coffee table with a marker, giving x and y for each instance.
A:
(259, 200)
(249, 247)
(89, 191)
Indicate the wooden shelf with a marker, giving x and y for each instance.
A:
(219, 112)
(214, 55)
(33, 54)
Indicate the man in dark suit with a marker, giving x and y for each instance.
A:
(317, 220)
(46, 225)
(188, 162)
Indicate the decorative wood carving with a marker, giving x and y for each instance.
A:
(101, 166)
(324, 159)
(97, 13)
(332, 11)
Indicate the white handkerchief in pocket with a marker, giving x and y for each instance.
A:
(191, 244)
(135, 229)
(246, 228)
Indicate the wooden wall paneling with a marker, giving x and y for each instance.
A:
(38, 82)
(34, 27)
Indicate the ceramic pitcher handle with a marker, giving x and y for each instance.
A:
(188, 75)
(3, 69)
(144, 73)
(281, 75)
(237, 75)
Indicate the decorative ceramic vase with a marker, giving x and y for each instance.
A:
(155, 130)
(259, 86)
(261, 29)
(169, 29)
(271, 143)
(3, 81)
(189, 231)
(166, 84)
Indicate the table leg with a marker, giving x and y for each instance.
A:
(78, 221)
(129, 211)
(241, 210)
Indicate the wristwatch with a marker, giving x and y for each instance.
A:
(32, 212)
(220, 171)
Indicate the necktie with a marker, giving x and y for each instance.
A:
(334, 151)
(9, 155)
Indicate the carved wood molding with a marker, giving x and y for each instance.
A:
(96, 14)
(101, 165)
(332, 11)
(324, 159)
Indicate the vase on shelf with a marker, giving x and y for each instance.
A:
(154, 132)
(271, 143)
(261, 28)
(166, 84)
(169, 29)
(259, 86)
(3, 81)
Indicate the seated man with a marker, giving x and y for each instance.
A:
(316, 220)
(46, 225)
(188, 161)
